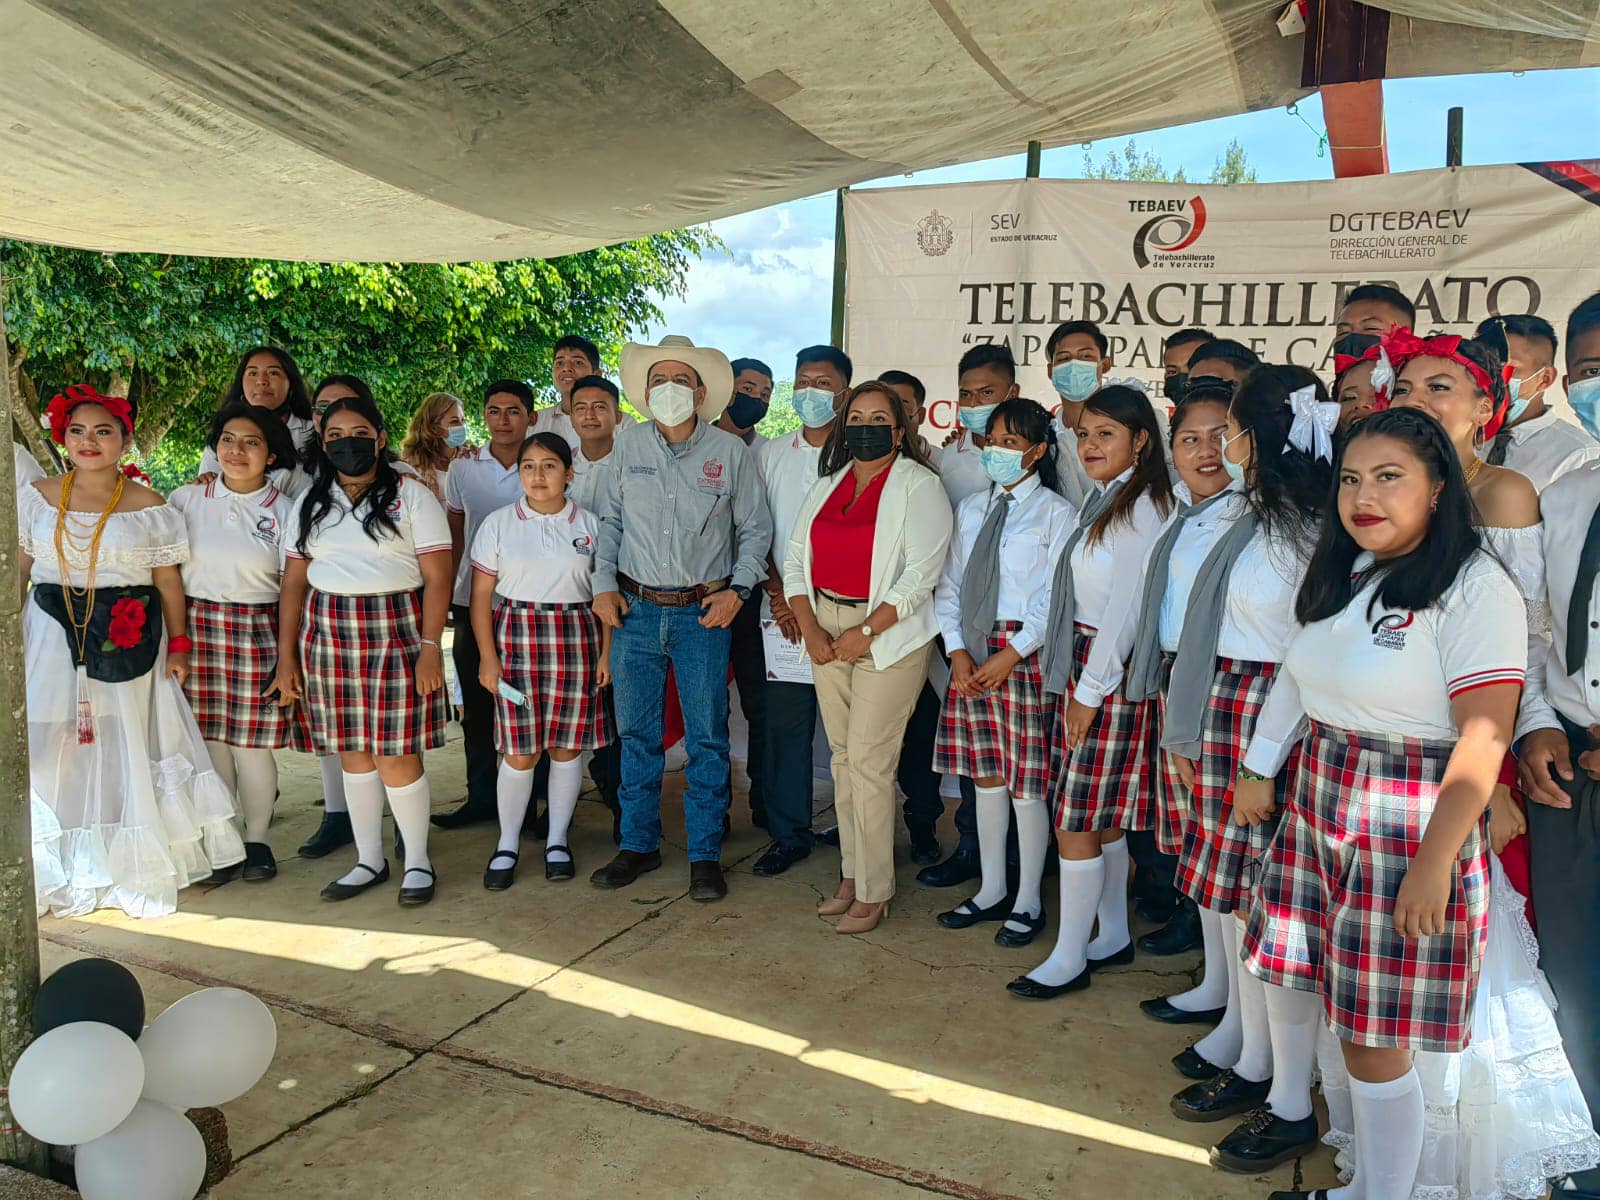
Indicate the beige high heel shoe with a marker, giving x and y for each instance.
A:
(836, 906)
(849, 924)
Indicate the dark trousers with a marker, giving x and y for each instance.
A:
(750, 674)
(605, 765)
(1565, 845)
(791, 728)
(1158, 871)
(920, 782)
(477, 716)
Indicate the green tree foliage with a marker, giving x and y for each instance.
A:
(168, 329)
(1129, 163)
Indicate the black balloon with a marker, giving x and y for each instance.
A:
(91, 989)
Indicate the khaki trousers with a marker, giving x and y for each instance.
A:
(864, 711)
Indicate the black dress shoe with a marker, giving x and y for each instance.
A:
(1192, 1064)
(1159, 905)
(829, 836)
(416, 897)
(558, 868)
(536, 821)
(627, 866)
(1218, 1099)
(1264, 1141)
(779, 859)
(925, 853)
(706, 882)
(1179, 935)
(1161, 1009)
(498, 879)
(1120, 959)
(961, 866)
(1007, 936)
(343, 891)
(1032, 989)
(967, 914)
(330, 835)
(259, 865)
(468, 812)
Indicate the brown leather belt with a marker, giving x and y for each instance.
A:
(671, 597)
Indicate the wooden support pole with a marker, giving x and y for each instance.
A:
(840, 263)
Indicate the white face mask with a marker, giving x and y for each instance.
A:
(671, 403)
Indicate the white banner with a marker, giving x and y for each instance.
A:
(936, 270)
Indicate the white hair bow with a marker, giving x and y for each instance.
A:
(1314, 423)
(1137, 385)
(1383, 374)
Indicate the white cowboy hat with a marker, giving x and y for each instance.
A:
(715, 373)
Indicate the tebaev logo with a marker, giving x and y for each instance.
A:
(936, 233)
(1176, 225)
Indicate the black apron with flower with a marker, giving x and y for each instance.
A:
(123, 636)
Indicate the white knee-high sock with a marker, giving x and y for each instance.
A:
(1255, 1035)
(1033, 836)
(1388, 1139)
(566, 781)
(994, 819)
(332, 784)
(411, 804)
(1292, 1019)
(1212, 990)
(1222, 1044)
(1081, 881)
(256, 773)
(365, 794)
(513, 790)
(1112, 911)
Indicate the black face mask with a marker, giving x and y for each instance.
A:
(353, 455)
(1176, 386)
(746, 411)
(868, 443)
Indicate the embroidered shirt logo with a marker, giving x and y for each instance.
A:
(267, 529)
(1390, 631)
(583, 544)
(711, 476)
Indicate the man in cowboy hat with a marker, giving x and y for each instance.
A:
(684, 537)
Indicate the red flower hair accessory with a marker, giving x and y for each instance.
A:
(1401, 345)
(62, 404)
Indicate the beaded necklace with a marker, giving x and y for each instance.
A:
(88, 549)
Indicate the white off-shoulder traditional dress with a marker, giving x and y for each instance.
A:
(127, 814)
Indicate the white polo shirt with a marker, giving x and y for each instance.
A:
(787, 466)
(236, 541)
(586, 477)
(346, 562)
(293, 482)
(1548, 447)
(476, 486)
(538, 558)
(961, 469)
(553, 420)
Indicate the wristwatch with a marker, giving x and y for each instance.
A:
(866, 631)
(741, 591)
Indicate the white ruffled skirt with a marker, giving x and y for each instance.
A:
(1504, 1115)
(133, 817)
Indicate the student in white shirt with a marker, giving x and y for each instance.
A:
(269, 377)
(236, 526)
(1077, 355)
(1103, 784)
(986, 375)
(367, 565)
(542, 652)
(1409, 665)
(992, 603)
(1535, 441)
(1177, 351)
(573, 357)
(752, 394)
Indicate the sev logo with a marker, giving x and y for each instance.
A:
(936, 233)
(1170, 232)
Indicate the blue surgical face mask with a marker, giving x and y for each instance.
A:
(1584, 396)
(976, 418)
(1075, 379)
(1519, 402)
(1004, 466)
(814, 406)
(1235, 470)
(456, 435)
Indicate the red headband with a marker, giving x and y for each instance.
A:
(1401, 346)
(1343, 362)
(62, 404)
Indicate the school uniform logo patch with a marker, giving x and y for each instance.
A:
(584, 544)
(1390, 631)
(711, 476)
(267, 529)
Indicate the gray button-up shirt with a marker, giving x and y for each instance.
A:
(677, 516)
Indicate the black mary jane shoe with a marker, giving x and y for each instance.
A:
(1120, 959)
(1192, 1064)
(558, 868)
(1163, 1010)
(416, 897)
(498, 879)
(343, 891)
(1015, 938)
(1264, 1141)
(1218, 1099)
(967, 914)
(1032, 989)
(259, 865)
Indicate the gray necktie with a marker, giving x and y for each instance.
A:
(980, 582)
(1055, 656)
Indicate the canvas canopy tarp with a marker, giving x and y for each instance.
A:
(457, 129)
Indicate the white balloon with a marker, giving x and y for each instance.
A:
(208, 1048)
(156, 1154)
(76, 1083)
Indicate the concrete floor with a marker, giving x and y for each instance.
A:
(560, 1040)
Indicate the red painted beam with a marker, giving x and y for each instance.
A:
(1353, 113)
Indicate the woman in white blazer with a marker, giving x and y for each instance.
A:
(859, 573)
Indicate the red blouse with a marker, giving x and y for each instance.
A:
(841, 542)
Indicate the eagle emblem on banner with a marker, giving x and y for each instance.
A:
(936, 233)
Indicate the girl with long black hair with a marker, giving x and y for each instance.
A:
(366, 590)
(269, 377)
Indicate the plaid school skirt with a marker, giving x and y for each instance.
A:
(1219, 861)
(358, 655)
(234, 659)
(1172, 798)
(1105, 783)
(1322, 918)
(549, 652)
(1005, 733)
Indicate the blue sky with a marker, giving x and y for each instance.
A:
(769, 293)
